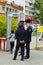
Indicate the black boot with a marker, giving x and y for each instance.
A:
(26, 57)
(14, 58)
(22, 59)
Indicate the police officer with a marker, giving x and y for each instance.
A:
(20, 36)
(28, 37)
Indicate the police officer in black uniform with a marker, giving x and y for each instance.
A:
(28, 38)
(20, 36)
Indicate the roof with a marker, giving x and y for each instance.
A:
(17, 6)
(13, 5)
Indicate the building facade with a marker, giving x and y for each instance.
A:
(5, 7)
(29, 8)
(2, 0)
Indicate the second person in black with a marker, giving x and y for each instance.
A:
(20, 36)
(28, 38)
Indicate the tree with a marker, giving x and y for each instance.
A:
(3, 27)
(14, 23)
(39, 6)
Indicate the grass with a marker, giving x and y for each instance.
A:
(35, 33)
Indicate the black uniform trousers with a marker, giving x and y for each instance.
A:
(11, 45)
(19, 45)
(28, 40)
(28, 49)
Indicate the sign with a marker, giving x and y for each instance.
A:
(16, 15)
(40, 29)
(21, 16)
(13, 14)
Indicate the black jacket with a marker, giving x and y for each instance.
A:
(20, 34)
(28, 34)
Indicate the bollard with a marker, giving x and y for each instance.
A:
(0, 44)
(4, 44)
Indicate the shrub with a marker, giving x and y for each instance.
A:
(3, 25)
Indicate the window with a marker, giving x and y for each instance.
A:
(29, 12)
(10, 9)
(26, 11)
(33, 8)
(30, 4)
(13, 10)
(3, 8)
(25, 6)
(33, 13)
(7, 8)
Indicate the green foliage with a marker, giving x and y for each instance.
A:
(14, 24)
(3, 25)
(39, 6)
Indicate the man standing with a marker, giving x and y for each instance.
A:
(20, 36)
(28, 38)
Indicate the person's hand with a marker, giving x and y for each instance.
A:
(22, 41)
(29, 30)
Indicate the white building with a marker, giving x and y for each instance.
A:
(28, 7)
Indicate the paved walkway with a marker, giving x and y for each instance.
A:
(35, 59)
(34, 42)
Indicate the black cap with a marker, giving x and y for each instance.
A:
(20, 24)
(22, 21)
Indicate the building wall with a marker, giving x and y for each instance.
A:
(2, 0)
(29, 8)
(4, 8)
